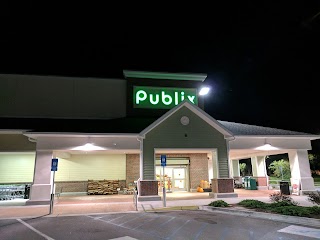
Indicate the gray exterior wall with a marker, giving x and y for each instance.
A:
(172, 134)
(61, 97)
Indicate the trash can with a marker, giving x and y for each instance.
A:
(26, 191)
(250, 183)
(253, 184)
(284, 188)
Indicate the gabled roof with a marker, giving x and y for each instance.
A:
(239, 129)
(198, 111)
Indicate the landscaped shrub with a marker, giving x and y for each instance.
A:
(314, 197)
(250, 203)
(292, 211)
(219, 203)
(282, 207)
(315, 210)
(281, 204)
(279, 197)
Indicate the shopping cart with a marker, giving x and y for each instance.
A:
(10, 192)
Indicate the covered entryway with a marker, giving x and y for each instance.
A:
(258, 147)
(98, 169)
(186, 129)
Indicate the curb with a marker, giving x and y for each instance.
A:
(310, 222)
(174, 208)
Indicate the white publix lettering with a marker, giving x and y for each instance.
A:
(166, 99)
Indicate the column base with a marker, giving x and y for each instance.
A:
(222, 185)
(223, 195)
(261, 181)
(40, 193)
(30, 202)
(306, 184)
(148, 187)
(306, 192)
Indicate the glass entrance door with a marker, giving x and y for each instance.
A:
(179, 179)
(175, 178)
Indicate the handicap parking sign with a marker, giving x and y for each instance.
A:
(163, 159)
(54, 164)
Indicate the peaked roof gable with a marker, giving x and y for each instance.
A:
(195, 109)
(240, 129)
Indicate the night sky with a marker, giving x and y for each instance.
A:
(262, 61)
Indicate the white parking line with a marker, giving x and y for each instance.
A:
(303, 231)
(35, 230)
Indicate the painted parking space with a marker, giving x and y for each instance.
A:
(302, 231)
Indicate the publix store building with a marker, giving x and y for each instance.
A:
(117, 129)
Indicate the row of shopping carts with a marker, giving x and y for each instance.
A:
(10, 192)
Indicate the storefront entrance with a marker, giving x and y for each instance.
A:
(176, 178)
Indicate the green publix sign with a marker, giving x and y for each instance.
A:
(162, 98)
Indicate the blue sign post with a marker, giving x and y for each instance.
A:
(163, 160)
(54, 164)
(54, 168)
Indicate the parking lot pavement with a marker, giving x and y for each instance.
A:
(191, 225)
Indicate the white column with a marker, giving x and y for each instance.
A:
(258, 166)
(210, 167)
(42, 180)
(215, 166)
(300, 169)
(235, 168)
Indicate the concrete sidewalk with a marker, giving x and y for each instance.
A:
(185, 200)
(79, 205)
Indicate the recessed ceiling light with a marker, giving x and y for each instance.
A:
(88, 147)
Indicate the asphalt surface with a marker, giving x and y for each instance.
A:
(186, 224)
(185, 217)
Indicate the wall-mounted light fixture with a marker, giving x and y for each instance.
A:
(204, 91)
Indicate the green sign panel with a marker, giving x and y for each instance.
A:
(161, 97)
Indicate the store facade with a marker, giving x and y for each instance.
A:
(117, 129)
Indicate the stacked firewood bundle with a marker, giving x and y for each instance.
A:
(100, 187)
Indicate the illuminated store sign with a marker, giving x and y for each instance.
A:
(165, 98)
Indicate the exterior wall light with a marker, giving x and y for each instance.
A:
(204, 91)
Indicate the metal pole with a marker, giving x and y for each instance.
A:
(136, 200)
(164, 189)
(52, 194)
